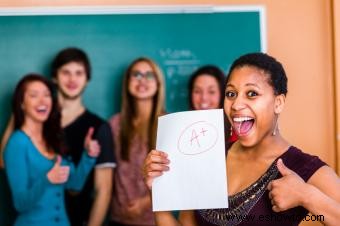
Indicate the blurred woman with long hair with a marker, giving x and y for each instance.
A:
(36, 172)
(134, 131)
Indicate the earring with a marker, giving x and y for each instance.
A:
(276, 127)
(231, 131)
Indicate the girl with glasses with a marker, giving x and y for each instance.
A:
(134, 133)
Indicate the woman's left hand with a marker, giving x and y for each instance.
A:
(288, 191)
(92, 146)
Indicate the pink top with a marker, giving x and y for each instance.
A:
(128, 183)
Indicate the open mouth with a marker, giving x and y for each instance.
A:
(42, 109)
(205, 106)
(142, 88)
(242, 125)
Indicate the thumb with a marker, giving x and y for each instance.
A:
(283, 169)
(89, 134)
(58, 161)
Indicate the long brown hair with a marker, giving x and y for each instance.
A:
(128, 110)
(51, 129)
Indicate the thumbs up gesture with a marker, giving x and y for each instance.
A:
(58, 174)
(288, 191)
(92, 146)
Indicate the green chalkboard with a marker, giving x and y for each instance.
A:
(178, 42)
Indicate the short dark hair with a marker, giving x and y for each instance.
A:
(212, 71)
(277, 75)
(51, 129)
(71, 54)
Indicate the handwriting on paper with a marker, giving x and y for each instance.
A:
(194, 142)
(197, 138)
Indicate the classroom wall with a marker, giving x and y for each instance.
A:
(336, 53)
(301, 34)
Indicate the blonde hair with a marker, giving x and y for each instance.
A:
(128, 109)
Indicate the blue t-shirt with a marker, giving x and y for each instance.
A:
(38, 201)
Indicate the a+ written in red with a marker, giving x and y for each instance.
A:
(195, 136)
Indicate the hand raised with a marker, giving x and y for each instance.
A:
(288, 191)
(92, 146)
(154, 165)
(58, 174)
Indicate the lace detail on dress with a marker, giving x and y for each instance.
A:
(241, 203)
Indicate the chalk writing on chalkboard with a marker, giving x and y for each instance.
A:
(178, 63)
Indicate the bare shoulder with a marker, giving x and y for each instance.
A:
(326, 180)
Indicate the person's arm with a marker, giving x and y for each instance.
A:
(320, 195)
(323, 195)
(103, 176)
(166, 218)
(78, 175)
(103, 189)
(26, 194)
(8, 131)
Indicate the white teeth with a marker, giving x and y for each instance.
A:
(241, 119)
(204, 105)
(42, 108)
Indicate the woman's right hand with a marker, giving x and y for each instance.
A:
(154, 165)
(58, 174)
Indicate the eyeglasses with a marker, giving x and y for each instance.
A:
(149, 75)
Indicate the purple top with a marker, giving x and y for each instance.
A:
(253, 203)
(128, 183)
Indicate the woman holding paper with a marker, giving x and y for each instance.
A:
(270, 182)
(134, 131)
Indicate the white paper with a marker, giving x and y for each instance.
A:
(195, 143)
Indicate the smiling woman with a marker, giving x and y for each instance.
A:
(134, 131)
(247, 102)
(36, 172)
(266, 174)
